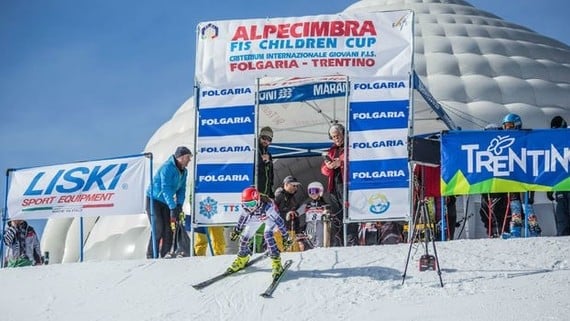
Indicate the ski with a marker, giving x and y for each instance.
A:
(225, 274)
(275, 282)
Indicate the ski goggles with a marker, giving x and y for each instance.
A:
(267, 138)
(249, 205)
(314, 191)
(509, 125)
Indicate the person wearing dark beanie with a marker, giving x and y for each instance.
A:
(562, 210)
(558, 122)
(168, 192)
(265, 172)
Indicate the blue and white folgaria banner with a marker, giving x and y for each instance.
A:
(372, 50)
(478, 162)
(95, 188)
(225, 155)
(378, 172)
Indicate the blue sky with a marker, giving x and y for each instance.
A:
(85, 80)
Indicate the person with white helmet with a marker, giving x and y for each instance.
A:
(513, 122)
(316, 212)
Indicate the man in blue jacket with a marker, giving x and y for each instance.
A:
(168, 192)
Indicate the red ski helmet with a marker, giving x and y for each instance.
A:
(250, 198)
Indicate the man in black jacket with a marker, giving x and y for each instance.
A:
(562, 212)
(265, 162)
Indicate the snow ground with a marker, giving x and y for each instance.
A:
(485, 279)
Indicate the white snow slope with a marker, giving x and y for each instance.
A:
(485, 279)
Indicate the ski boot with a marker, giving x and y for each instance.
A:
(533, 227)
(276, 267)
(238, 264)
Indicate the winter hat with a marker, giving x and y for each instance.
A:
(291, 180)
(181, 151)
(558, 122)
(266, 131)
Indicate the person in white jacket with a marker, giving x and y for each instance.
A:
(23, 245)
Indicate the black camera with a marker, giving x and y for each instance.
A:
(428, 262)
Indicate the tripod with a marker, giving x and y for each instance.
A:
(423, 227)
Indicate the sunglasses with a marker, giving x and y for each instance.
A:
(267, 138)
(250, 204)
(314, 191)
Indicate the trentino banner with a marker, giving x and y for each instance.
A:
(373, 50)
(94, 188)
(476, 162)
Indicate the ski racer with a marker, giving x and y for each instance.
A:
(257, 209)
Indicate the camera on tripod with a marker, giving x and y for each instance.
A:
(428, 262)
(424, 153)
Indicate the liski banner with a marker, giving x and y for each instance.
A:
(476, 162)
(95, 188)
(372, 52)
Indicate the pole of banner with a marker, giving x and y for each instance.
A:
(192, 234)
(411, 185)
(344, 201)
(256, 152)
(466, 216)
(4, 216)
(443, 213)
(152, 214)
(209, 241)
(527, 214)
(195, 163)
(81, 239)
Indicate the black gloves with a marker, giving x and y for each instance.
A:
(174, 216)
(234, 235)
(550, 196)
(287, 241)
(175, 212)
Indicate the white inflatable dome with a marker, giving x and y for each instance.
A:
(478, 66)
